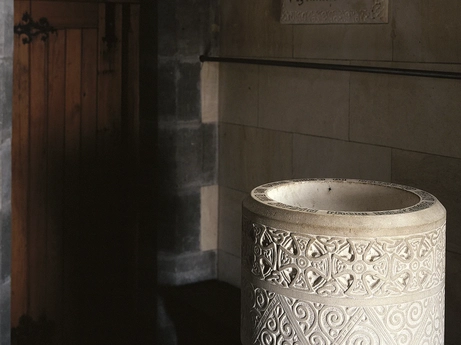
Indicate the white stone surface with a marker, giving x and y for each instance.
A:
(209, 217)
(238, 102)
(230, 220)
(347, 42)
(252, 28)
(427, 31)
(209, 91)
(304, 101)
(334, 261)
(420, 114)
(324, 157)
(251, 156)
(438, 175)
(229, 269)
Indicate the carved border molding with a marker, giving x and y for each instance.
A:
(426, 199)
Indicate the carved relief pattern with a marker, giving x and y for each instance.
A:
(271, 319)
(345, 267)
(375, 13)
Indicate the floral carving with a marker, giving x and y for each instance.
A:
(345, 267)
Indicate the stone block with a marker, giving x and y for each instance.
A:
(166, 87)
(323, 157)
(210, 153)
(185, 27)
(209, 90)
(186, 268)
(179, 221)
(5, 241)
(440, 176)
(230, 220)
(453, 299)
(238, 94)
(348, 42)
(148, 131)
(193, 27)
(188, 92)
(187, 217)
(250, 156)
(5, 305)
(5, 156)
(427, 31)
(181, 158)
(6, 71)
(6, 32)
(229, 268)
(252, 28)
(6, 96)
(167, 24)
(411, 113)
(209, 218)
(188, 155)
(166, 170)
(304, 101)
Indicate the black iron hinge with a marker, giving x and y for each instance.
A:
(30, 28)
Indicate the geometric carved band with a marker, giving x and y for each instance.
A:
(270, 318)
(345, 268)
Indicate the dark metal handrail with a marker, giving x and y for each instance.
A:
(336, 67)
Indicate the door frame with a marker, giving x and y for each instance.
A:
(148, 155)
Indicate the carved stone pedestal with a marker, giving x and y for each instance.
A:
(335, 261)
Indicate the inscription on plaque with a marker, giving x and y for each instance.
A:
(334, 11)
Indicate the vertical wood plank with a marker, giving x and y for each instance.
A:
(130, 148)
(89, 123)
(134, 193)
(37, 178)
(111, 263)
(109, 86)
(89, 205)
(72, 273)
(20, 166)
(132, 82)
(55, 177)
(89, 101)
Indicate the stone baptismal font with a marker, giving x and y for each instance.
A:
(336, 261)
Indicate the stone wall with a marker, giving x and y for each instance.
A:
(279, 123)
(6, 97)
(187, 145)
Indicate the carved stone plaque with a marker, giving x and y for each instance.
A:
(334, 11)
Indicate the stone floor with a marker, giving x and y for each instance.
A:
(203, 313)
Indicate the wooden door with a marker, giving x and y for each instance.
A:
(74, 154)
